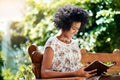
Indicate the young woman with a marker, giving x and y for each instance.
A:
(62, 54)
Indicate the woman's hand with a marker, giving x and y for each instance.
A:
(86, 74)
(105, 74)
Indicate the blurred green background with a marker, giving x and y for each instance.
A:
(102, 34)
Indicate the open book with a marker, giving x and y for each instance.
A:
(100, 66)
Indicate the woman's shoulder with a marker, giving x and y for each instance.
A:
(51, 39)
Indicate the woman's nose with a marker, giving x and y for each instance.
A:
(75, 32)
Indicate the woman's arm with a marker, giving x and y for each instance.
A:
(47, 73)
(47, 60)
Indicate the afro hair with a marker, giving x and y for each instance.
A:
(68, 14)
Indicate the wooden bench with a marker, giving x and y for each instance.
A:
(87, 57)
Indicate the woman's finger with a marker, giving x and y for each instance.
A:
(92, 71)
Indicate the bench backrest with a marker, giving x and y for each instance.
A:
(36, 58)
(113, 57)
(87, 57)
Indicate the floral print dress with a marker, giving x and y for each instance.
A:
(66, 56)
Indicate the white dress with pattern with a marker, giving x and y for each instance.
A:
(66, 56)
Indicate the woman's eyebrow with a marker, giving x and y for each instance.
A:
(76, 27)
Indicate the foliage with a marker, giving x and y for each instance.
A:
(22, 66)
(17, 38)
(98, 32)
(1, 40)
(116, 5)
(24, 73)
(1, 64)
(103, 26)
(7, 74)
(41, 32)
(1, 60)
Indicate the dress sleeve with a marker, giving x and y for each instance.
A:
(77, 48)
(50, 43)
(76, 44)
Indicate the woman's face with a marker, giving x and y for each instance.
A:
(75, 26)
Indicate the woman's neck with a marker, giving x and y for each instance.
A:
(62, 37)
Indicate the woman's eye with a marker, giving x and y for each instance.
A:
(73, 28)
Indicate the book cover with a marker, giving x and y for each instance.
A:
(100, 66)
